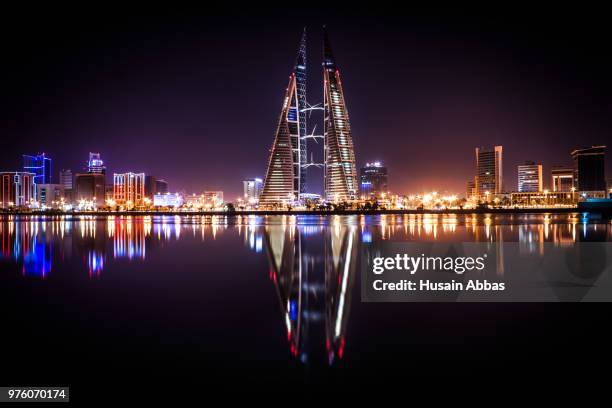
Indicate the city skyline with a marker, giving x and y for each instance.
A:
(457, 92)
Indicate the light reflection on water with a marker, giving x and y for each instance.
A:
(311, 259)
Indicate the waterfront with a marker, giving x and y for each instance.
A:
(259, 299)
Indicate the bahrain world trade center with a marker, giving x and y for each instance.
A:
(285, 180)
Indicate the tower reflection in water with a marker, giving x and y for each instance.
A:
(313, 269)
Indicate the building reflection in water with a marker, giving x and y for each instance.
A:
(313, 270)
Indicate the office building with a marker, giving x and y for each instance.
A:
(89, 187)
(530, 177)
(40, 165)
(286, 172)
(340, 175)
(153, 186)
(562, 178)
(589, 168)
(129, 189)
(66, 179)
(252, 189)
(17, 188)
(374, 180)
(50, 194)
(489, 171)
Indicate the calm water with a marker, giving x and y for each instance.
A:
(259, 301)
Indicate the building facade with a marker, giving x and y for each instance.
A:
(562, 178)
(285, 176)
(129, 189)
(252, 189)
(40, 165)
(50, 194)
(489, 171)
(153, 186)
(66, 179)
(17, 188)
(589, 168)
(530, 177)
(340, 176)
(374, 180)
(90, 187)
(167, 200)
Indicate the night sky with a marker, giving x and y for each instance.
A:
(194, 96)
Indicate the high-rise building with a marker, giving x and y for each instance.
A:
(285, 176)
(562, 178)
(589, 168)
(65, 179)
(489, 174)
(40, 165)
(252, 189)
(153, 186)
(129, 189)
(95, 164)
(374, 180)
(340, 173)
(17, 188)
(530, 177)
(161, 186)
(89, 187)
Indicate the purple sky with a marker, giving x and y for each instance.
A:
(194, 99)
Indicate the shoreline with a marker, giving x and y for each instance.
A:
(300, 212)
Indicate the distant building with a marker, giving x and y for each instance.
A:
(489, 170)
(589, 168)
(213, 199)
(153, 186)
(66, 179)
(109, 192)
(40, 165)
(562, 178)
(374, 180)
(95, 164)
(167, 200)
(471, 191)
(128, 189)
(161, 186)
(252, 189)
(530, 177)
(47, 194)
(17, 188)
(89, 187)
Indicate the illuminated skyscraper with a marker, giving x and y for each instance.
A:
(40, 165)
(340, 174)
(374, 180)
(252, 189)
(129, 189)
(530, 177)
(285, 176)
(589, 168)
(95, 164)
(489, 175)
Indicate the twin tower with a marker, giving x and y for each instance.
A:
(285, 180)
